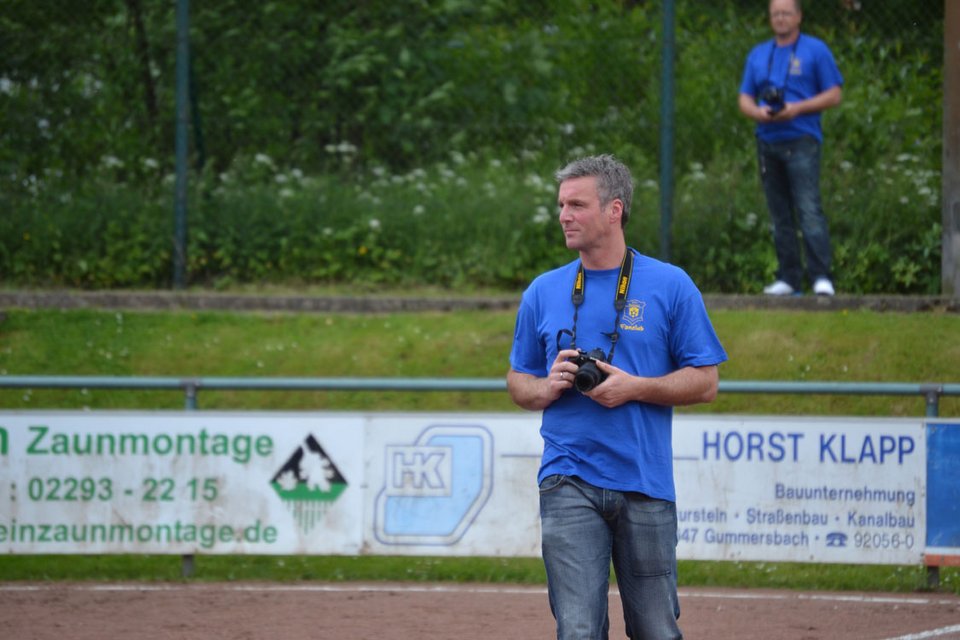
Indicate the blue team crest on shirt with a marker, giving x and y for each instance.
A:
(632, 317)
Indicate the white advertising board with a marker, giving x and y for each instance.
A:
(181, 483)
(453, 485)
(800, 490)
(777, 489)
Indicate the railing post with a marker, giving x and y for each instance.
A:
(933, 577)
(931, 394)
(190, 404)
(186, 566)
(190, 395)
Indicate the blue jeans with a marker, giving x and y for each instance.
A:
(790, 172)
(584, 528)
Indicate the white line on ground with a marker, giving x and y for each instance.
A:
(933, 633)
(832, 597)
(462, 588)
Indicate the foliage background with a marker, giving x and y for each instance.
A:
(410, 142)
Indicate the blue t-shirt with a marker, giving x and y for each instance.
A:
(803, 70)
(663, 327)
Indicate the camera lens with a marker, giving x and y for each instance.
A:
(587, 377)
(773, 96)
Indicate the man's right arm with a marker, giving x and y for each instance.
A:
(527, 391)
(534, 393)
(749, 107)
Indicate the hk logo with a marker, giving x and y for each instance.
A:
(308, 483)
(434, 488)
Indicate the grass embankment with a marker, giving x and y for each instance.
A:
(858, 346)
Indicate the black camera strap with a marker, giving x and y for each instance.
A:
(619, 301)
(793, 55)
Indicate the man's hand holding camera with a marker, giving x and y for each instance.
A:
(617, 388)
(786, 112)
(613, 389)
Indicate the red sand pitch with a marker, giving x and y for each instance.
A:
(379, 611)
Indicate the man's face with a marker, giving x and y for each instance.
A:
(784, 17)
(585, 224)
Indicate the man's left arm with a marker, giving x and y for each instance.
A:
(689, 385)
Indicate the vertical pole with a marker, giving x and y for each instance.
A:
(931, 396)
(190, 395)
(181, 143)
(667, 128)
(950, 260)
(187, 564)
(933, 577)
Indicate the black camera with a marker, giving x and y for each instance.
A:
(773, 96)
(588, 375)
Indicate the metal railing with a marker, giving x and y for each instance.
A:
(930, 392)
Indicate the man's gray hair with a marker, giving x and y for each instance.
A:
(613, 180)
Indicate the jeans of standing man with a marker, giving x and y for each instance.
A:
(583, 528)
(790, 172)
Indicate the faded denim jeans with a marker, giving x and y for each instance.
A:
(584, 528)
(790, 172)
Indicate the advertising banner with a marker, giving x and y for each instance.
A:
(453, 485)
(749, 488)
(181, 483)
(943, 492)
(801, 489)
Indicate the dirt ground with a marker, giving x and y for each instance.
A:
(251, 611)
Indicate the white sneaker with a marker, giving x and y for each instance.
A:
(823, 287)
(779, 288)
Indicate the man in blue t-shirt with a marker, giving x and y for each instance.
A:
(606, 476)
(787, 82)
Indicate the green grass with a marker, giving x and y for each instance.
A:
(154, 568)
(279, 568)
(861, 346)
(794, 346)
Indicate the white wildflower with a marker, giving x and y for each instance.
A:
(542, 216)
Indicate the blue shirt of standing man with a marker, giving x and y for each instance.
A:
(787, 82)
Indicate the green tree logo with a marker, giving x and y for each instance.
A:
(308, 483)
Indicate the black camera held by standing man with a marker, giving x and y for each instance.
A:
(588, 375)
(773, 96)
